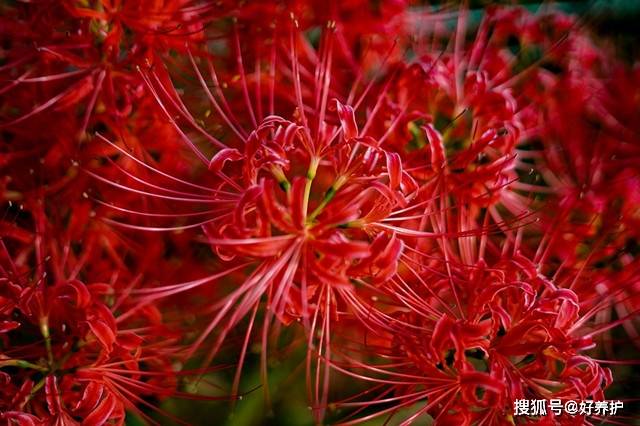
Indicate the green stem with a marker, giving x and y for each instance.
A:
(328, 196)
(37, 387)
(281, 178)
(44, 329)
(23, 364)
(311, 174)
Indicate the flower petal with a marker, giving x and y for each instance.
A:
(394, 167)
(347, 120)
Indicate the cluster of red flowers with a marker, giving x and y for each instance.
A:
(438, 207)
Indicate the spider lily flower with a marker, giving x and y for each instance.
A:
(586, 177)
(474, 109)
(82, 58)
(78, 352)
(516, 335)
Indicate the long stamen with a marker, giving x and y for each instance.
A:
(243, 76)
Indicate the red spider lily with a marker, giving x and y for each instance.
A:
(75, 350)
(83, 58)
(474, 102)
(587, 173)
(512, 334)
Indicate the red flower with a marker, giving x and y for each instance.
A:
(77, 351)
(492, 334)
